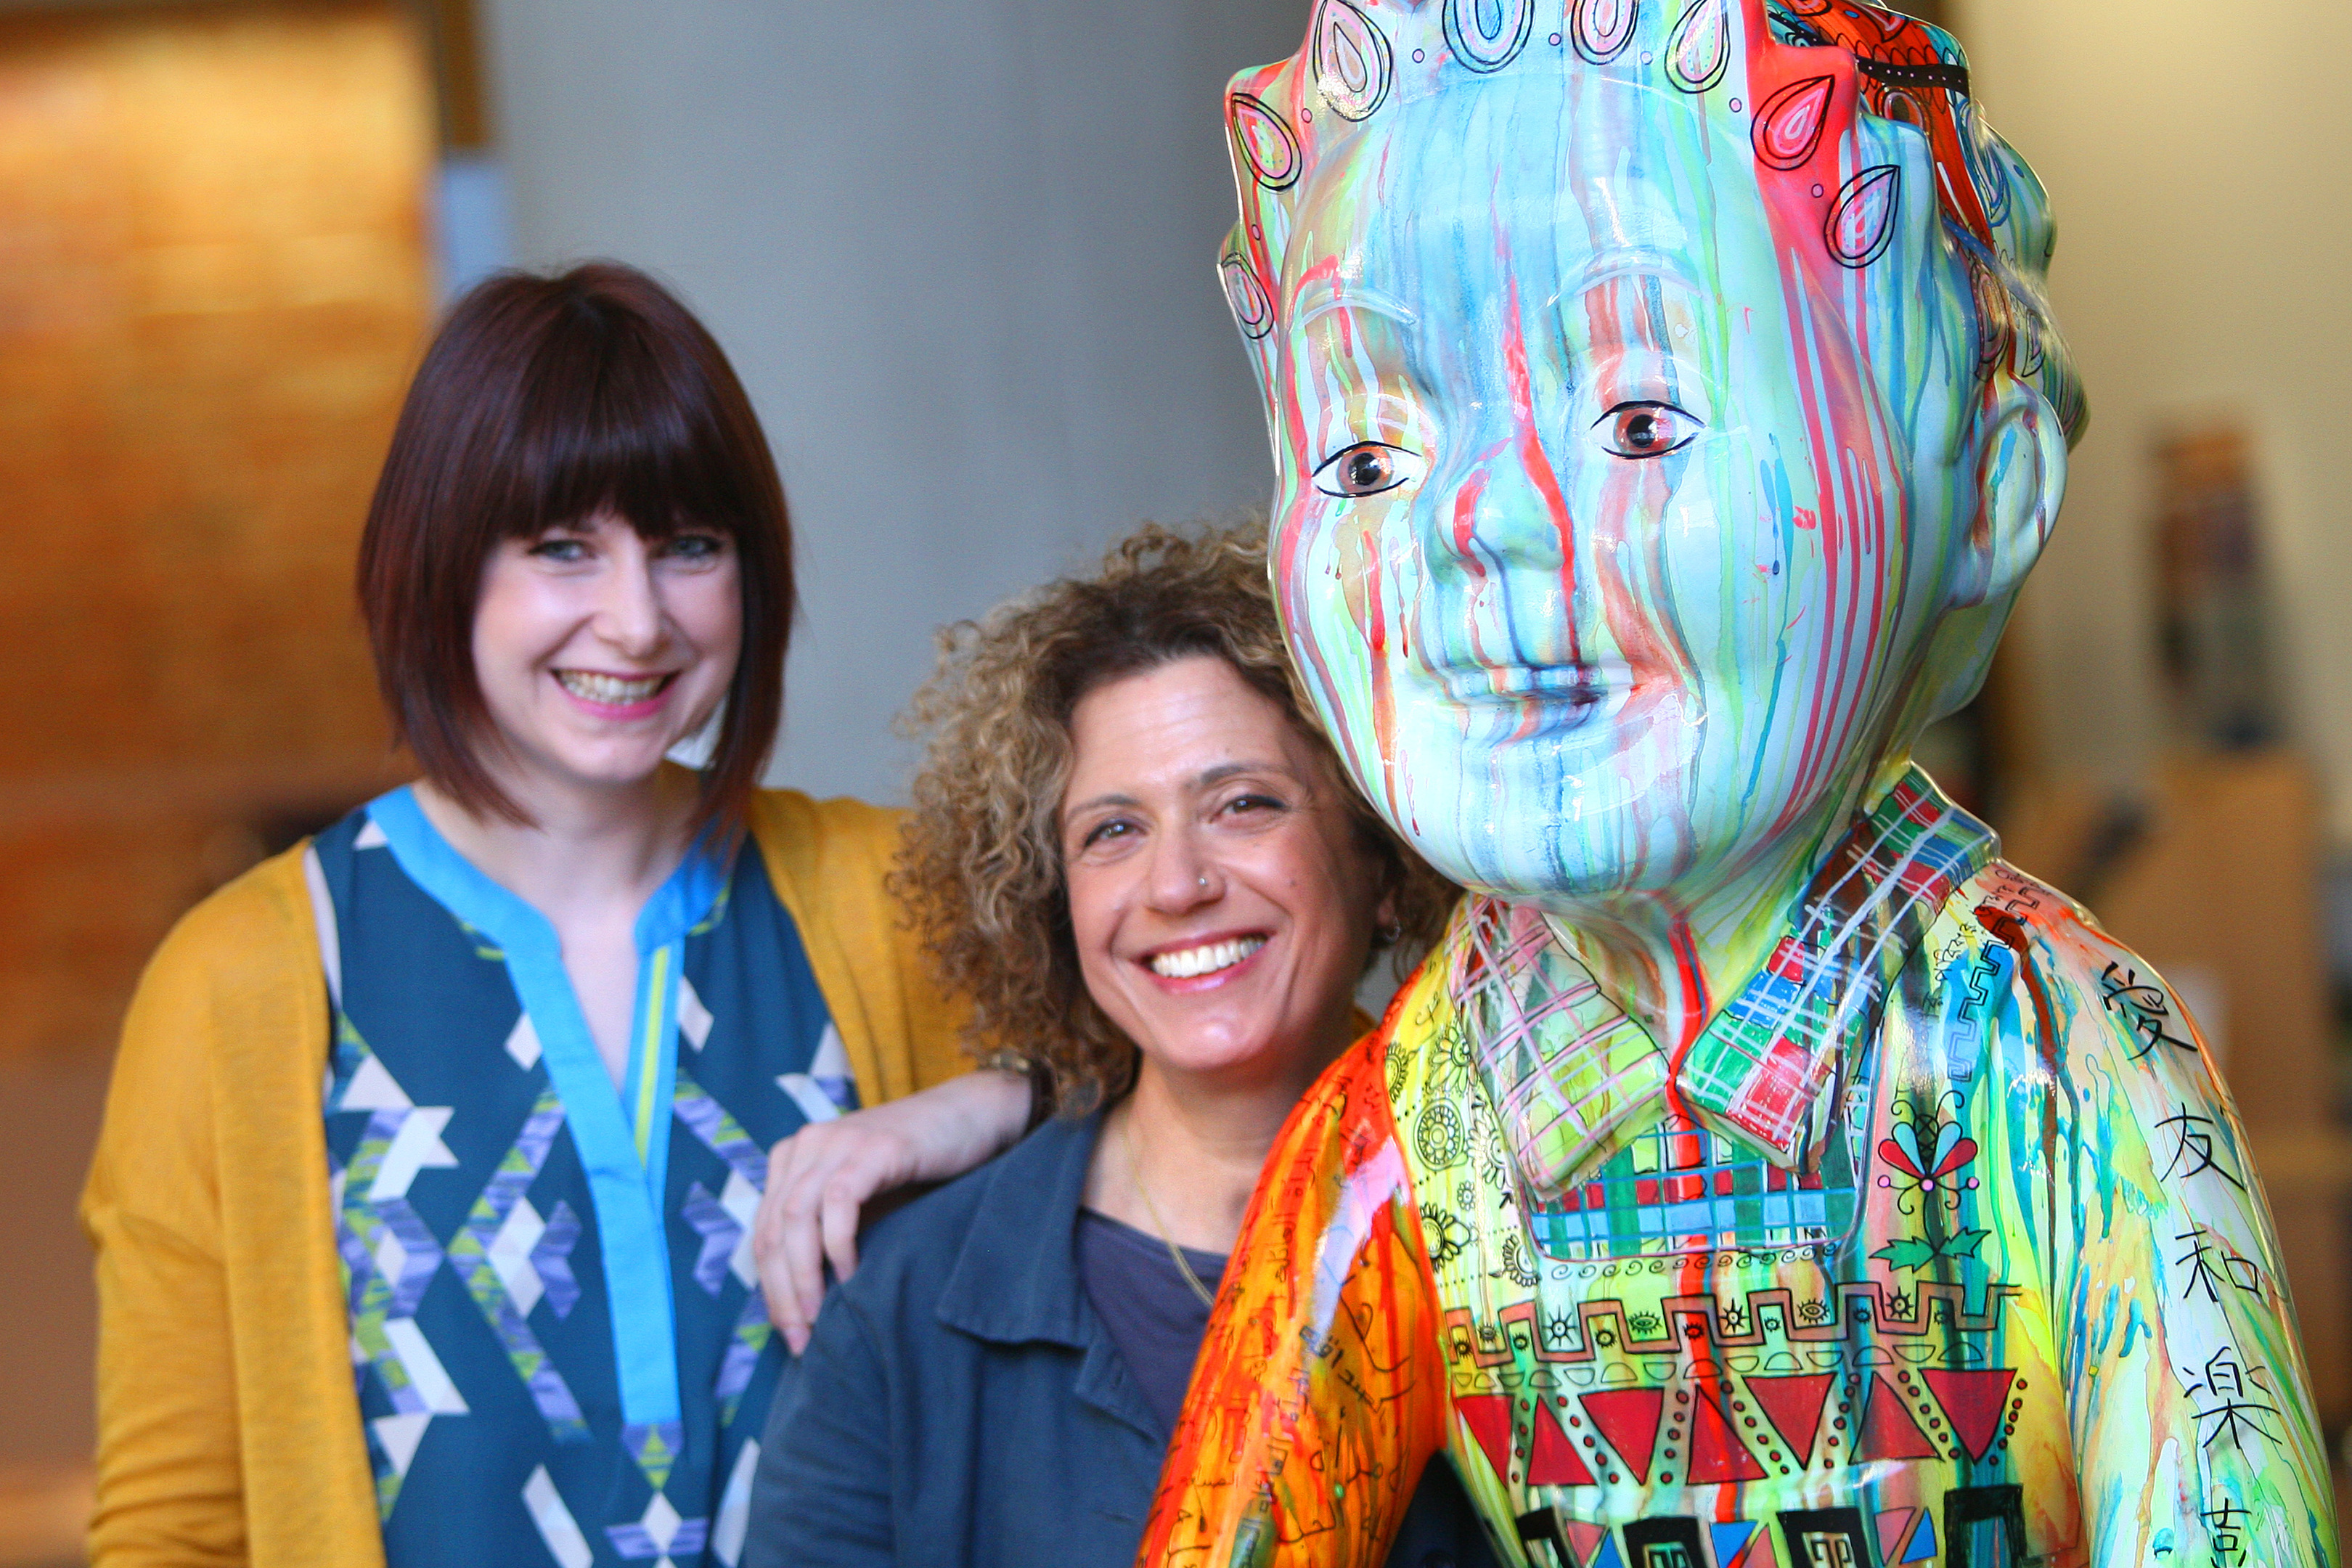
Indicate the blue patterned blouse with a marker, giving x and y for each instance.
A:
(561, 1350)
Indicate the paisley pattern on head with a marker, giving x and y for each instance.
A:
(1799, 75)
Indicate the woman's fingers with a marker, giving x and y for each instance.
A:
(776, 1237)
(822, 1177)
(801, 1263)
(819, 1181)
(844, 1200)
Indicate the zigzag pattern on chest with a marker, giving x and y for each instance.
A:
(1695, 1320)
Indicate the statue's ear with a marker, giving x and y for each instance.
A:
(2020, 479)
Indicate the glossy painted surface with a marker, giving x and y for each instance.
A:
(1326, 1390)
(2016, 1299)
(1666, 410)
(1625, 431)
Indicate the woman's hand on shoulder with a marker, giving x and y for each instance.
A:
(821, 1179)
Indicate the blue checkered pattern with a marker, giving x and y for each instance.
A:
(1679, 1189)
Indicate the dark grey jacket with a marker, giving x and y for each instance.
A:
(961, 1403)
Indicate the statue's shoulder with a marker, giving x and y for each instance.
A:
(1424, 1042)
(2084, 1001)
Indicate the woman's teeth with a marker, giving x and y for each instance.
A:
(609, 690)
(1195, 962)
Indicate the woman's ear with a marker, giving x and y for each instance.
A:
(2020, 481)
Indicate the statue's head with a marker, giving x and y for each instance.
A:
(1665, 406)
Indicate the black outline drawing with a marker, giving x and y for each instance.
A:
(1472, 46)
(1866, 185)
(1241, 103)
(1351, 102)
(1597, 43)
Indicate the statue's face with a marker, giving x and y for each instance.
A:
(1595, 532)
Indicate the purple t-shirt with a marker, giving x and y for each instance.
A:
(1150, 1312)
(1156, 1321)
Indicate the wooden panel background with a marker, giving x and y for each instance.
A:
(213, 284)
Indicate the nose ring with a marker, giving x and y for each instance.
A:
(1205, 881)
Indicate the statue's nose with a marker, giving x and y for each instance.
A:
(1510, 510)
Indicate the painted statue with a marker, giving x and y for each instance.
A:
(1761, 1173)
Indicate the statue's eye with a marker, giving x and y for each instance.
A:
(1647, 429)
(1367, 468)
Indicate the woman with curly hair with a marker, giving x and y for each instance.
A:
(1135, 854)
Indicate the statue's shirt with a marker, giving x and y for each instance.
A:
(1939, 1245)
(1946, 1197)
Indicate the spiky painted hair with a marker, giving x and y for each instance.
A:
(1807, 77)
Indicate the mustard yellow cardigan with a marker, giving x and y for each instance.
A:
(228, 1420)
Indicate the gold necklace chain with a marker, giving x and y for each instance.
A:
(1135, 1174)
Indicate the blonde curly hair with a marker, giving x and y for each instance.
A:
(981, 867)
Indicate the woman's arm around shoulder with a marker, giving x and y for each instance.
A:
(821, 1179)
(928, 1115)
(830, 863)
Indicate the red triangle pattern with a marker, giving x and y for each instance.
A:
(1716, 1454)
(1488, 1417)
(1895, 1528)
(1628, 1418)
(1586, 1539)
(1553, 1461)
(1972, 1403)
(1793, 1407)
(1889, 1430)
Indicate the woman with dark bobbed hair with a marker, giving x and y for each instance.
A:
(493, 1300)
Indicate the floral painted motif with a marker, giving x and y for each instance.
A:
(1926, 1156)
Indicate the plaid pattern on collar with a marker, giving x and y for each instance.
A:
(1575, 1079)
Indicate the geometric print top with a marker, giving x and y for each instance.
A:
(561, 1350)
(1940, 1245)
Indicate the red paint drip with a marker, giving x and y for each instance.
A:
(1695, 1011)
(1535, 462)
(1465, 548)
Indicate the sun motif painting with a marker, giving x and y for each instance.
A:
(1761, 1173)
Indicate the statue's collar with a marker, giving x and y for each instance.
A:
(1575, 1079)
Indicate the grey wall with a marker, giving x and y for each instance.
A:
(2199, 278)
(963, 255)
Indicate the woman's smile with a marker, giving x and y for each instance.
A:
(1203, 963)
(608, 696)
(598, 649)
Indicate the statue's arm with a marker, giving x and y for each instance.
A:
(2186, 1391)
(1319, 1393)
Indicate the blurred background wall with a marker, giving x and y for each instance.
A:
(2203, 211)
(212, 279)
(963, 255)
